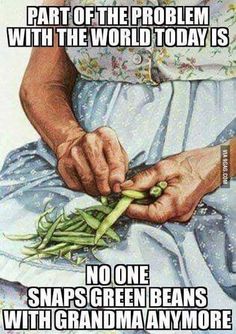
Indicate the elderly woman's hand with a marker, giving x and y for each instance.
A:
(94, 163)
(190, 175)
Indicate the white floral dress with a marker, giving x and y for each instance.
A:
(153, 65)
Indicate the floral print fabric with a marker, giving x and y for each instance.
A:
(159, 64)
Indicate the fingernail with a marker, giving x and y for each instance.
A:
(128, 183)
(116, 188)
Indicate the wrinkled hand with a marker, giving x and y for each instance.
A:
(94, 163)
(190, 175)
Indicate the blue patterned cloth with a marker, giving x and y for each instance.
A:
(151, 123)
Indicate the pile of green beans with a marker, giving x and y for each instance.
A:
(66, 236)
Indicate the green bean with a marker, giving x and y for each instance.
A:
(163, 185)
(37, 257)
(41, 233)
(55, 247)
(120, 208)
(35, 245)
(29, 251)
(95, 223)
(135, 194)
(71, 224)
(44, 226)
(43, 223)
(112, 205)
(104, 200)
(99, 208)
(71, 234)
(45, 213)
(32, 252)
(52, 249)
(64, 226)
(83, 228)
(59, 249)
(49, 234)
(85, 241)
(155, 191)
(100, 216)
(70, 248)
(77, 226)
(21, 237)
(88, 229)
(65, 218)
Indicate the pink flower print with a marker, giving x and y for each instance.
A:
(115, 63)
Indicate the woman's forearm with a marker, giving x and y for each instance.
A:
(50, 113)
(46, 96)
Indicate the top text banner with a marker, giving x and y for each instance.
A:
(122, 16)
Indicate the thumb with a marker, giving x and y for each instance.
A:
(142, 181)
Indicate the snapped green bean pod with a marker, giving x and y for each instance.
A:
(85, 241)
(49, 234)
(95, 224)
(120, 208)
(21, 237)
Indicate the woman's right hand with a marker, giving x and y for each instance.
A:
(94, 163)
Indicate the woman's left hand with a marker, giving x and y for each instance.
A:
(190, 175)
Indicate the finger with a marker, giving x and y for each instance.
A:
(84, 172)
(162, 171)
(101, 173)
(70, 177)
(116, 162)
(117, 186)
(142, 181)
(159, 212)
(93, 150)
(95, 156)
(126, 159)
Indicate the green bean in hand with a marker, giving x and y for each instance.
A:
(120, 208)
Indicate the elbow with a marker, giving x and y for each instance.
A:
(23, 92)
(27, 91)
